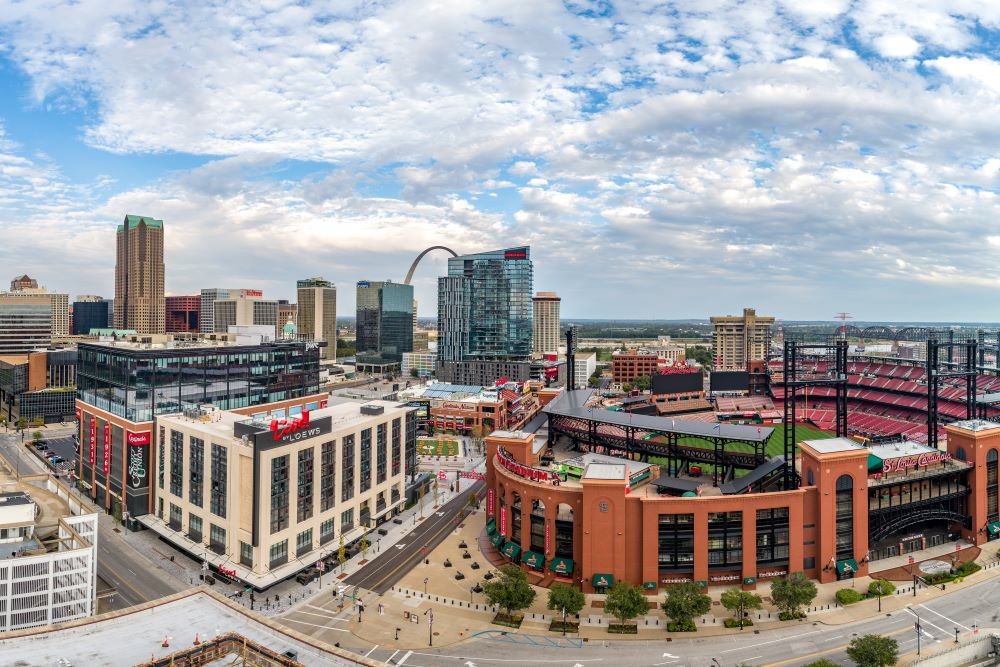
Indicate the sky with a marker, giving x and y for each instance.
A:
(663, 160)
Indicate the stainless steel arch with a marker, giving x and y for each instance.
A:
(413, 267)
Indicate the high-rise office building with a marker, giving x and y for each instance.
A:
(245, 308)
(484, 316)
(139, 298)
(385, 322)
(25, 323)
(545, 323)
(22, 282)
(206, 314)
(738, 340)
(182, 313)
(287, 311)
(24, 286)
(91, 312)
(317, 313)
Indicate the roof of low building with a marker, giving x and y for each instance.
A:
(605, 471)
(832, 445)
(895, 450)
(975, 424)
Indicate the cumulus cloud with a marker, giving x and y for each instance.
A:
(776, 150)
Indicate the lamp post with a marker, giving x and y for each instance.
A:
(564, 620)
(956, 635)
(425, 585)
(916, 626)
(430, 626)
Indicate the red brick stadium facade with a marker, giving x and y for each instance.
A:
(600, 529)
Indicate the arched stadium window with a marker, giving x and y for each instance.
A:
(960, 453)
(844, 517)
(810, 478)
(845, 483)
(992, 490)
(991, 456)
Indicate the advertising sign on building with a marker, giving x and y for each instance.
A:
(93, 441)
(546, 537)
(489, 502)
(906, 462)
(141, 438)
(107, 447)
(283, 431)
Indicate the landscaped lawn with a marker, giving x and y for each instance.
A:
(437, 447)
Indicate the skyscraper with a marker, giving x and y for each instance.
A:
(484, 317)
(139, 298)
(90, 312)
(182, 313)
(317, 313)
(546, 323)
(385, 322)
(24, 286)
(25, 323)
(23, 281)
(738, 340)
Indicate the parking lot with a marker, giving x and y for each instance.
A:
(62, 447)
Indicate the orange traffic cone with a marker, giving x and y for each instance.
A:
(196, 642)
(165, 643)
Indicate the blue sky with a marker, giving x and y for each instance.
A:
(663, 160)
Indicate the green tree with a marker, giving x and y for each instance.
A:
(341, 553)
(566, 597)
(740, 603)
(510, 590)
(478, 434)
(642, 382)
(21, 423)
(414, 373)
(36, 436)
(793, 592)
(873, 651)
(363, 545)
(822, 662)
(685, 601)
(624, 601)
(38, 422)
(701, 354)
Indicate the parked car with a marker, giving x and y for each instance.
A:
(307, 576)
(57, 459)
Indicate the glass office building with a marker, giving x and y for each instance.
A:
(485, 307)
(385, 322)
(137, 383)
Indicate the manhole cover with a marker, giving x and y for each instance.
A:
(935, 567)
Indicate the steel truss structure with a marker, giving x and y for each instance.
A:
(938, 370)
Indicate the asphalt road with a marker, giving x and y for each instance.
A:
(122, 568)
(392, 565)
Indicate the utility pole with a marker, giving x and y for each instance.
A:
(916, 626)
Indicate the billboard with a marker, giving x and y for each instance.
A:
(729, 381)
(677, 383)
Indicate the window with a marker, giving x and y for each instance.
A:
(725, 539)
(326, 531)
(162, 445)
(278, 554)
(246, 554)
(845, 517)
(279, 493)
(676, 541)
(992, 511)
(194, 528)
(217, 539)
(219, 481)
(410, 466)
(176, 517)
(347, 465)
(196, 471)
(382, 454)
(303, 543)
(366, 459)
(772, 536)
(396, 446)
(346, 520)
(304, 501)
(177, 463)
(327, 477)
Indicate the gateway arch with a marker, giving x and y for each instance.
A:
(413, 267)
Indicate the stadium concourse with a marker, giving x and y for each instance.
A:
(885, 397)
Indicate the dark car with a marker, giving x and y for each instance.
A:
(57, 459)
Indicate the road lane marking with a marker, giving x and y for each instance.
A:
(534, 660)
(371, 651)
(943, 616)
(829, 650)
(324, 627)
(404, 658)
(773, 641)
(388, 660)
(312, 613)
(924, 621)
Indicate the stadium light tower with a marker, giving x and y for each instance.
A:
(843, 317)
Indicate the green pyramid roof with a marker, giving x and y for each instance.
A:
(133, 222)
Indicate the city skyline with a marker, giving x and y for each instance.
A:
(801, 159)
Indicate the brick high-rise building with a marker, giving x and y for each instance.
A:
(317, 313)
(545, 323)
(183, 313)
(139, 300)
(738, 340)
(23, 282)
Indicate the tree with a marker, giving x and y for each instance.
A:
(822, 662)
(341, 553)
(21, 423)
(740, 602)
(414, 373)
(38, 422)
(36, 436)
(624, 601)
(478, 434)
(364, 544)
(793, 592)
(566, 597)
(701, 354)
(685, 601)
(510, 590)
(873, 651)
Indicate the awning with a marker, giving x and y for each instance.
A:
(561, 566)
(497, 540)
(533, 559)
(874, 463)
(491, 525)
(993, 528)
(603, 580)
(511, 550)
(849, 566)
(649, 585)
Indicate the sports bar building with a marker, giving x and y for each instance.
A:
(124, 385)
(611, 514)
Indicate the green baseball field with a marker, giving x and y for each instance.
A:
(437, 447)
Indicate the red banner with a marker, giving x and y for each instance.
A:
(141, 438)
(546, 537)
(489, 502)
(503, 521)
(93, 440)
(107, 447)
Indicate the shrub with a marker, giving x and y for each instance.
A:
(847, 596)
(557, 626)
(887, 587)
(508, 620)
(682, 626)
(822, 662)
(965, 569)
(623, 629)
(939, 578)
(733, 623)
(791, 615)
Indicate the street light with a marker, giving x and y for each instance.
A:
(430, 626)
(425, 585)
(916, 626)
(956, 635)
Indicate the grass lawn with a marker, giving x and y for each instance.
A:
(437, 447)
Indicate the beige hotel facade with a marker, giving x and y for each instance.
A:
(261, 498)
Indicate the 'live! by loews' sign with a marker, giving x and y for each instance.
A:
(284, 431)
